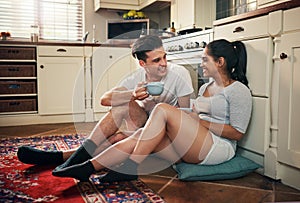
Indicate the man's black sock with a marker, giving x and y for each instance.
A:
(125, 172)
(80, 171)
(30, 155)
(82, 154)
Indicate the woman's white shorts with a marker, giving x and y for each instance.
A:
(221, 151)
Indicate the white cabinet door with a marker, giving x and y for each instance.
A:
(60, 85)
(189, 13)
(117, 4)
(289, 100)
(265, 3)
(259, 62)
(185, 14)
(258, 73)
(110, 65)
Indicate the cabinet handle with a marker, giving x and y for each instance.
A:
(61, 50)
(14, 103)
(13, 69)
(283, 56)
(41, 66)
(238, 29)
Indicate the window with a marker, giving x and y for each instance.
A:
(56, 19)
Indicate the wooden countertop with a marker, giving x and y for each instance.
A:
(27, 42)
(258, 12)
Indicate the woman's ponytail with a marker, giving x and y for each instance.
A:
(240, 68)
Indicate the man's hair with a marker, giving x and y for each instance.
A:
(145, 44)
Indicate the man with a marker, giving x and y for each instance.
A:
(130, 102)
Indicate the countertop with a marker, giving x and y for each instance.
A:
(27, 42)
(258, 12)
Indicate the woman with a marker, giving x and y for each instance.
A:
(207, 135)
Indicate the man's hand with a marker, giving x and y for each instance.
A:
(140, 92)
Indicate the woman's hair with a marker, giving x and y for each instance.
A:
(145, 44)
(235, 56)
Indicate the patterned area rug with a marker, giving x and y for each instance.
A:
(27, 183)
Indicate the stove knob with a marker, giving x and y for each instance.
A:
(180, 48)
(188, 45)
(175, 48)
(202, 44)
(194, 45)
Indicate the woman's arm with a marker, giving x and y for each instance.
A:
(223, 130)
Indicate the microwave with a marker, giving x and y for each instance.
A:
(119, 30)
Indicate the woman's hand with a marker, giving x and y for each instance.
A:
(199, 106)
(140, 92)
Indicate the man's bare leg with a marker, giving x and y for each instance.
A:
(106, 127)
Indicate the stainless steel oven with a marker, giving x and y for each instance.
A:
(186, 50)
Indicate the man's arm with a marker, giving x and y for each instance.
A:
(120, 95)
(184, 102)
(116, 96)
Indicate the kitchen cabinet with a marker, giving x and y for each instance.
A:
(259, 47)
(265, 3)
(110, 66)
(118, 4)
(288, 55)
(60, 80)
(18, 81)
(272, 138)
(127, 4)
(190, 13)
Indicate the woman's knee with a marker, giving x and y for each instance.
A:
(164, 110)
(161, 107)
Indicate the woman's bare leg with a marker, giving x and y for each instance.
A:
(185, 132)
(184, 136)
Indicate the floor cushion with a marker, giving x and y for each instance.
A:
(236, 167)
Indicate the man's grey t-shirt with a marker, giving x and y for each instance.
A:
(177, 83)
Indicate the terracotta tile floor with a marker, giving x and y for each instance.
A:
(251, 188)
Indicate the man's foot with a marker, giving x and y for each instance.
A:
(82, 154)
(80, 172)
(30, 155)
(125, 172)
(114, 176)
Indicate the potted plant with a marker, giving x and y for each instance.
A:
(4, 35)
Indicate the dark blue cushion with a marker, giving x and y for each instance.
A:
(236, 167)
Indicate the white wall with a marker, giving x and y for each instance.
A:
(99, 19)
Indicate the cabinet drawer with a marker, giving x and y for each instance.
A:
(17, 53)
(129, 2)
(17, 87)
(60, 51)
(289, 20)
(17, 105)
(257, 27)
(17, 70)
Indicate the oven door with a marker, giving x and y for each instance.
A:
(192, 62)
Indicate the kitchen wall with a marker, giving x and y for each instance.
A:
(162, 19)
